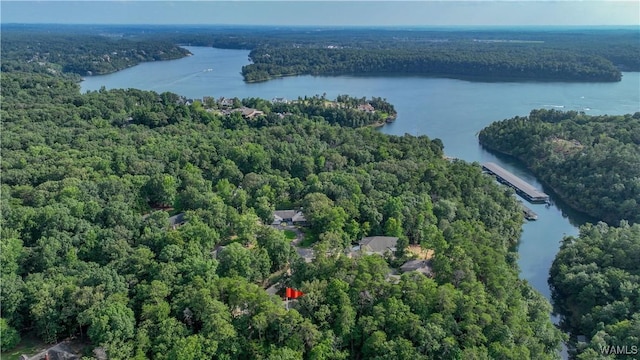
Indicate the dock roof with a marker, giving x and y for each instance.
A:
(515, 181)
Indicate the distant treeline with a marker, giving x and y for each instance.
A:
(83, 54)
(470, 60)
(487, 54)
(592, 162)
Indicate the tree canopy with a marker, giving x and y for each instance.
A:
(595, 288)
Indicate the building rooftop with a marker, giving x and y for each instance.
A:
(294, 216)
(422, 266)
(177, 220)
(378, 244)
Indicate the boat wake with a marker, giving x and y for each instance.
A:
(186, 77)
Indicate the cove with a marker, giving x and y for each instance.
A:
(449, 109)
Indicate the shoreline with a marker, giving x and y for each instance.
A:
(127, 66)
(470, 78)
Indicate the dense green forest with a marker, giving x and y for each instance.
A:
(595, 283)
(570, 54)
(591, 162)
(467, 60)
(89, 181)
(487, 54)
(81, 53)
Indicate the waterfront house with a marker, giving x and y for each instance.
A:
(366, 107)
(225, 103)
(249, 113)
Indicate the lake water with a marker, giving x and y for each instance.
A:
(452, 110)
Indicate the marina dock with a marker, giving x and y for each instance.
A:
(528, 213)
(522, 188)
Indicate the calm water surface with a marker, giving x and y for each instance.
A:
(452, 110)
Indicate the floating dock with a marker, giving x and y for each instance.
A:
(528, 213)
(522, 188)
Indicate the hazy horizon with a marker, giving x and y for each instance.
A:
(477, 13)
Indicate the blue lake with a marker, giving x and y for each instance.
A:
(449, 109)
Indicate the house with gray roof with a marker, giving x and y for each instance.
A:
(421, 266)
(295, 217)
(250, 113)
(378, 244)
(177, 220)
(225, 102)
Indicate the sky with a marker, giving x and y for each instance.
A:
(327, 13)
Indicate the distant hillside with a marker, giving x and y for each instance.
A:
(73, 54)
(464, 60)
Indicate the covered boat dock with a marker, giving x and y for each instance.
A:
(522, 188)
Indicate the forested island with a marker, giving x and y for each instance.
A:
(595, 283)
(591, 162)
(465, 60)
(486, 54)
(139, 223)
